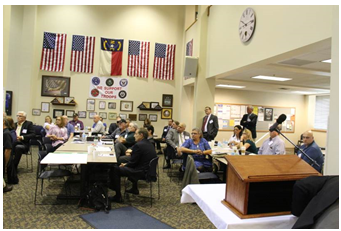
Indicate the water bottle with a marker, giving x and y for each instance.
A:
(83, 137)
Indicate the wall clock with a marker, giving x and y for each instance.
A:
(247, 25)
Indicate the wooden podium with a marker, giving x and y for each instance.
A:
(261, 185)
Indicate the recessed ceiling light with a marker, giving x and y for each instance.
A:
(327, 61)
(272, 78)
(230, 86)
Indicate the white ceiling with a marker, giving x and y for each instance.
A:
(305, 68)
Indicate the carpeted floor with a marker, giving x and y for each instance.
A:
(20, 212)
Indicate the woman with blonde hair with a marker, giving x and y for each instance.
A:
(247, 142)
(48, 123)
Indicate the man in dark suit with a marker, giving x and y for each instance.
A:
(25, 131)
(210, 125)
(163, 136)
(249, 121)
(174, 139)
(143, 152)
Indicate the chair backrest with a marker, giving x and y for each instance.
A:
(151, 175)
(13, 135)
(48, 148)
(47, 140)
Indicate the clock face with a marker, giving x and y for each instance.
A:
(247, 25)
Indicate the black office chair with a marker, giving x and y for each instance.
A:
(35, 141)
(48, 174)
(46, 140)
(152, 175)
(174, 161)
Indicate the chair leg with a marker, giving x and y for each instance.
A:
(35, 194)
(42, 186)
(151, 194)
(31, 161)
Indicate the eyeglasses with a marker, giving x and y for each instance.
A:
(306, 137)
(20, 116)
(194, 133)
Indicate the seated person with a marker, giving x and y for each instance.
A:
(247, 142)
(104, 124)
(76, 122)
(311, 148)
(150, 130)
(114, 126)
(58, 133)
(175, 138)
(236, 137)
(123, 143)
(69, 127)
(7, 143)
(274, 145)
(98, 126)
(48, 123)
(25, 132)
(142, 153)
(120, 131)
(199, 148)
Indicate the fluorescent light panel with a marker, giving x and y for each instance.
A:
(327, 61)
(272, 78)
(230, 86)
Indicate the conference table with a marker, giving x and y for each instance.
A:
(209, 196)
(77, 153)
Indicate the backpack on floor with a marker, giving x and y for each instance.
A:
(97, 198)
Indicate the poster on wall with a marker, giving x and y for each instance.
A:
(268, 114)
(108, 88)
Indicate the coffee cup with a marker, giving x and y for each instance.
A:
(242, 149)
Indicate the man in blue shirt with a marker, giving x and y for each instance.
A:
(312, 150)
(69, 127)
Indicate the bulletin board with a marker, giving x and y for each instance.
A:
(230, 115)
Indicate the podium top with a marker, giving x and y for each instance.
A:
(261, 168)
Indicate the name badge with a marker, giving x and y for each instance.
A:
(271, 142)
(125, 136)
(24, 131)
(211, 121)
(186, 137)
(117, 136)
(165, 130)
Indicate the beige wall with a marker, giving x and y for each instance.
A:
(152, 23)
(279, 29)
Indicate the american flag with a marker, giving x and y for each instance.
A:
(164, 61)
(82, 54)
(138, 58)
(53, 53)
(189, 48)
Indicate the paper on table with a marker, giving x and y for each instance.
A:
(103, 149)
(53, 158)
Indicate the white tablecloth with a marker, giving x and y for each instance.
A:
(209, 196)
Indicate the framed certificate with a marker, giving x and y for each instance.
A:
(45, 107)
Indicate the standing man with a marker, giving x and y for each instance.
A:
(210, 125)
(25, 132)
(142, 153)
(274, 145)
(311, 148)
(69, 127)
(166, 130)
(98, 126)
(249, 121)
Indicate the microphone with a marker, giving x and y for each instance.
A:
(279, 121)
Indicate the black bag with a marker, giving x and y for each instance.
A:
(12, 177)
(97, 198)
